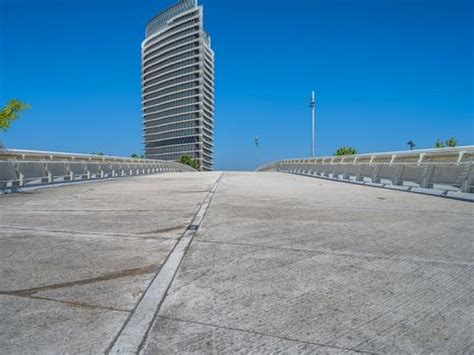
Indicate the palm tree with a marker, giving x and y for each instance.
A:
(452, 142)
(439, 144)
(411, 144)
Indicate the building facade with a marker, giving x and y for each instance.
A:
(178, 86)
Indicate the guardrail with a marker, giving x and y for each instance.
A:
(21, 168)
(444, 172)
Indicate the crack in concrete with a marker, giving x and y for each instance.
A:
(107, 277)
(164, 230)
(73, 232)
(339, 253)
(77, 210)
(267, 335)
(69, 303)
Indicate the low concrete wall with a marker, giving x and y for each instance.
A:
(445, 172)
(20, 168)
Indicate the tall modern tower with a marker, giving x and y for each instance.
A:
(178, 86)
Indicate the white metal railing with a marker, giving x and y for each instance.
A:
(444, 171)
(20, 168)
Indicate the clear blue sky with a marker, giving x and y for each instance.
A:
(385, 72)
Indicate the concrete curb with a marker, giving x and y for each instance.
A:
(135, 330)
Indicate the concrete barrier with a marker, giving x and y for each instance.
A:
(444, 172)
(20, 168)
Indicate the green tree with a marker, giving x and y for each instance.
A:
(346, 151)
(97, 153)
(11, 111)
(452, 142)
(411, 144)
(439, 144)
(187, 160)
(136, 156)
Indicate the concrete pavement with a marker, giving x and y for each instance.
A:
(280, 263)
(75, 260)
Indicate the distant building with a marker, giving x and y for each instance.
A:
(178, 85)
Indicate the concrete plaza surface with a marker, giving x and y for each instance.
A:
(280, 264)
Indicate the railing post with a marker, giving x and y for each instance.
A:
(375, 178)
(345, 175)
(22, 179)
(398, 174)
(425, 178)
(420, 159)
(50, 177)
(468, 181)
(359, 176)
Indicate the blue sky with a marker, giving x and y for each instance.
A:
(384, 71)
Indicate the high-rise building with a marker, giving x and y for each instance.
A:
(178, 86)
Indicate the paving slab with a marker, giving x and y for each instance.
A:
(75, 259)
(144, 205)
(307, 261)
(179, 337)
(35, 326)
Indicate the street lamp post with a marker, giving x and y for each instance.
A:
(256, 153)
(312, 104)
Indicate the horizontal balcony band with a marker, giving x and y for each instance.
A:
(171, 123)
(173, 146)
(166, 72)
(208, 102)
(173, 100)
(208, 48)
(179, 147)
(178, 79)
(209, 114)
(208, 136)
(174, 130)
(148, 50)
(173, 115)
(196, 73)
(170, 86)
(144, 101)
(173, 78)
(209, 131)
(157, 155)
(169, 31)
(151, 64)
(167, 138)
(172, 108)
(208, 63)
(184, 151)
(195, 56)
(187, 39)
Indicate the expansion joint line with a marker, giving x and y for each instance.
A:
(134, 331)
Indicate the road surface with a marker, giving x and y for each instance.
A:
(271, 262)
